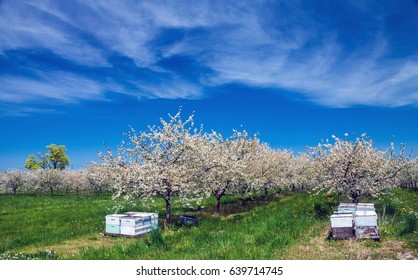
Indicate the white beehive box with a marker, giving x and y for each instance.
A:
(365, 207)
(133, 231)
(132, 221)
(112, 229)
(342, 220)
(145, 218)
(365, 219)
(347, 207)
(114, 219)
(152, 215)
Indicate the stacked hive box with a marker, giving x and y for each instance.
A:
(131, 223)
(354, 220)
(365, 221)
(347, 207)
(342, 225)
(113, 223)
(365, 207)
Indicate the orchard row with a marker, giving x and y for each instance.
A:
(178, 159)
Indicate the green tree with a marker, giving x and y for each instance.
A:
(55, 158)
(32, 163)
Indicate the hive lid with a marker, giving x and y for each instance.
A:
(342, 215)
(116, 215)
(365, 204)
(347, 205)
(366, 213)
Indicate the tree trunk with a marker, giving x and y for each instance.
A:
(266, 193)
(218, 203)
(355, 197)
(50, 190)
(167, 198)
(243, 198)
(218, 195)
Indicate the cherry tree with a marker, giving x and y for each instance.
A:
(229, 160)
(2, 182)
(409, 176)
(12, 180)
(73, 181)
(355, 168)
(301, 172)
(48, 180)
(163, 161)
(270, 168)
(98, 178)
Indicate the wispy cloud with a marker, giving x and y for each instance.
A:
(55, 86)
(290, 45)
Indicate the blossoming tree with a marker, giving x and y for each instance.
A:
(163, 161)
(355, 168)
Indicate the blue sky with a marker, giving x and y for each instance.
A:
(78, 73)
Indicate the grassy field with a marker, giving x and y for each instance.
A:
(289, 226)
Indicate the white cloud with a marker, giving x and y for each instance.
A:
(23, 26)
(51, 86)
(243, 42)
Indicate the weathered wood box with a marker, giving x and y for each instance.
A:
(342, 233)
(363, 232)
(342, 225)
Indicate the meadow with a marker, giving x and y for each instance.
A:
(290, 225)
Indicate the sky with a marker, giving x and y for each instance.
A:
(79, 73)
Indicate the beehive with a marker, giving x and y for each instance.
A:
(112, 229)
(347, 207)
(114, 219)
(131, 223)
(153, 219)
(341, 219)
(367, 232)
(365, 207)
(135, 230)
(342, 225)
(113, 223)
(365, 218)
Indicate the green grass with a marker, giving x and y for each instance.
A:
(260, 233)
(289, 226)
(44, 220)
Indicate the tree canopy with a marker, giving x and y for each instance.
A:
(55, 158)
